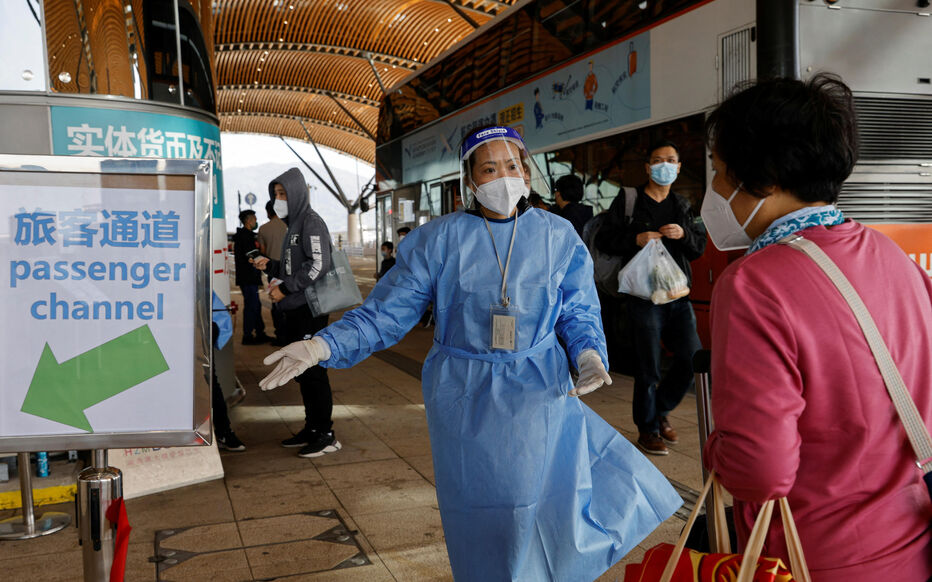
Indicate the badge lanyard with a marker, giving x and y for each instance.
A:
(504, 324)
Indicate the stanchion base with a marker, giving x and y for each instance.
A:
(49, 522)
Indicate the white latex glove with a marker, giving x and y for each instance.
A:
(294, 358)
(592, 373)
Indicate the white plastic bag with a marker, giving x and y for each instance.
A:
(653, 275)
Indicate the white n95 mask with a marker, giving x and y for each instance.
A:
(281, 208)
(726, 232)
(501, 195)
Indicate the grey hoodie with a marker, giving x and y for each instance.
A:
(307, 246)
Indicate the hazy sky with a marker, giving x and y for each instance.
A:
(250, 162)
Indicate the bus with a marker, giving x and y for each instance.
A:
(117, 78)
(590, 84)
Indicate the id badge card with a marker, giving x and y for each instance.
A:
(504, 327)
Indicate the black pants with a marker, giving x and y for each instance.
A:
(221, 416)
(299, 324)
(675, 325)
(277, 322)
(252, 311)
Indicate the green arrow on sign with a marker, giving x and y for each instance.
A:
(61, 392)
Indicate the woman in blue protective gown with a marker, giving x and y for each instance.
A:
(532, 484)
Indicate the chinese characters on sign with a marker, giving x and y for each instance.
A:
(117, 228)
(512, 114)
(100, 132)
(88, 140)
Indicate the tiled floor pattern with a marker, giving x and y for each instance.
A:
(380, 484)
(273, 547)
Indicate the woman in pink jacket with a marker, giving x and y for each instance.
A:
(799, 405)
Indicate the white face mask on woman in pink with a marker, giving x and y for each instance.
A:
(726, 232)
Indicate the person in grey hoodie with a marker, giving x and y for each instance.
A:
(305, 257)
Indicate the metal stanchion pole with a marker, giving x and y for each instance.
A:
(98, 486)
(702, 365)
(28, 527)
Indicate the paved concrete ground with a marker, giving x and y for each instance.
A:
(267, 519)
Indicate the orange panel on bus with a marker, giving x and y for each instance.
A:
(914, 239)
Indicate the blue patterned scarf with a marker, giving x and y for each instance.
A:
(796, 221)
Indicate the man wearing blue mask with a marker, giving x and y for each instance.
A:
(659, 213)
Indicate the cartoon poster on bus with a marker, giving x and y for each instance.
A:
(598, 92)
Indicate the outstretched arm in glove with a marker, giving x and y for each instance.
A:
(293, 360)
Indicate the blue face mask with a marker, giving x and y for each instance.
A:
(663, 173)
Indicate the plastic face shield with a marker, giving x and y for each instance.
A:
(493, 153)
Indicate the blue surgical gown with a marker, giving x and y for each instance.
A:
(532, 484)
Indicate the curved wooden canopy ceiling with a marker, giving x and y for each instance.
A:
(299, 67)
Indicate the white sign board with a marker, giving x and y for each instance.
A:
(153, 470)
(100, 281)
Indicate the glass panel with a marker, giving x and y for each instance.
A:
(161, 50)
(22, 64)
(436, 195)
(92, 46)
(129, 48)
(404, 206)
(423, 204)
(195, 59)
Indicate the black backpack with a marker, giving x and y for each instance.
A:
(605, 267)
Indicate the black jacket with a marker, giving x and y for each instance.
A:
(618, 237)
(578, 215)
(307, 246)
(245, 240)
(387, 263)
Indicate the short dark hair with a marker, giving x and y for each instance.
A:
(388, 244)
(570, 187)
(270, 209)
(403, 230)
(246, 214)
(662, 143)
(799, 136)
(534, 199)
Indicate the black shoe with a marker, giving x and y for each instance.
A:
(321, 444)
(261, 338)
(230, 442)
(301, 439)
